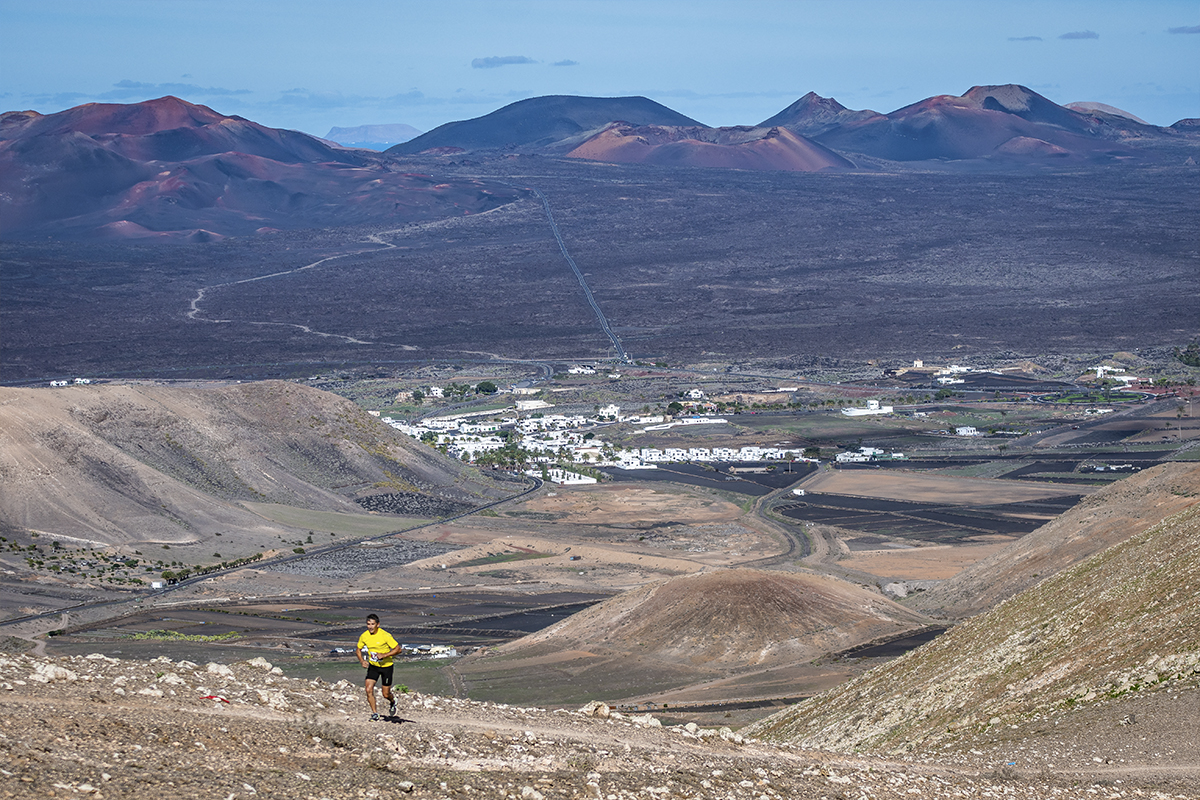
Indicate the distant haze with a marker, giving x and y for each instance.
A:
(373, 137)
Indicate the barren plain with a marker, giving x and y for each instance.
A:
(795, 271)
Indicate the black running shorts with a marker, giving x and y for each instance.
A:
(383, 675)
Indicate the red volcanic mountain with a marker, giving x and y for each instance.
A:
(168, 169)
(986, 122)
(730, 148)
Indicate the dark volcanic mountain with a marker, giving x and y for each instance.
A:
(763, 148)
(987, 122)
(169, 169)
(542, 122)
(812, 115)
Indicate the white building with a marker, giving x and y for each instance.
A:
(873, 407)
(966, 430)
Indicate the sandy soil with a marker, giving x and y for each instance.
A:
(932, 488)
(614, 504)
(921, 563)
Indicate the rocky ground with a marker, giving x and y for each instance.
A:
(101, 727)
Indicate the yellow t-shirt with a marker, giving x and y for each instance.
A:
(377, 643)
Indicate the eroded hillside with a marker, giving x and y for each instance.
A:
(124, 464)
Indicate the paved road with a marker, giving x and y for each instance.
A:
(608, 331)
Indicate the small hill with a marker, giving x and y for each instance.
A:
(539, 123)
(773, 148)
(1118, 628)
(1087, 107)
(1105, 518)
(169, 170)
(123, 464)
(677, 632)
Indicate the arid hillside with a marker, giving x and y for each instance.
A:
(1107, 517)
(99, 727)
(128, 464)
(1114, 639)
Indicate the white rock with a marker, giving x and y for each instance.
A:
(596, 708)
(48, 673)
(219, 669)
(275, 700)
(260, 663)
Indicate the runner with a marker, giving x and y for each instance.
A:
(375, 650)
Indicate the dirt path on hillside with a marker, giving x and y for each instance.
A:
(121, 729)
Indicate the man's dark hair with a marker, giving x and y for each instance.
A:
(371, 617)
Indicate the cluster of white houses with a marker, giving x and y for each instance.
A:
(557, 438)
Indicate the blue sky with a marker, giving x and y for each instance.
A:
(312, 65)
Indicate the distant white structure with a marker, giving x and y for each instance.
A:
(946, 379)
(687, 421)
(873, 407)
(435, 391)
(582, 369)
(531, 405)
(562, 477)
(695, 394)
(82, 381)
(865, 454)
(58, 383)
(966, 430)
(612, 410)
(918, 364)
(525, 390)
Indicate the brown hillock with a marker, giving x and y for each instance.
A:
(118, 464)
(1109, 516)
(753, 631)
(737, 617)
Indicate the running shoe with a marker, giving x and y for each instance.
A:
(374, 717)
(392, 708)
